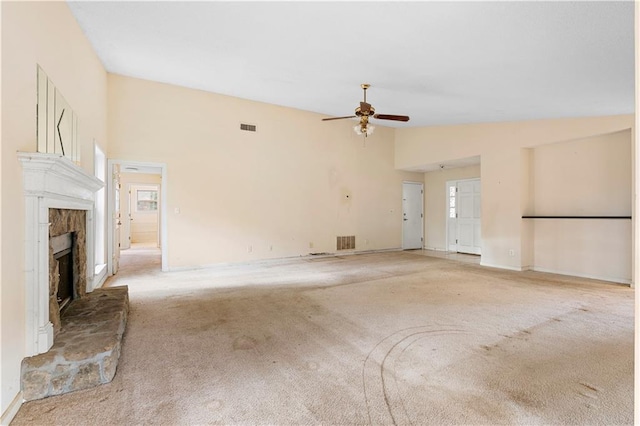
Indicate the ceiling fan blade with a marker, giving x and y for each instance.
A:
(338, 118)
(365, 107)
(392, 117)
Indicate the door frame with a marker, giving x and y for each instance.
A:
(422, 210)
(446, 222)
(163, 237)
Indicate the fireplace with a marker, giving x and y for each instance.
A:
(62, 247)
(59, 199)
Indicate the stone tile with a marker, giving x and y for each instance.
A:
(35, 384)
(37, 361)
(88, 376)
(109, 365)
(60, 384)
(86, 351)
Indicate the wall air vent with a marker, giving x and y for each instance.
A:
(248, 127)
(346, 242)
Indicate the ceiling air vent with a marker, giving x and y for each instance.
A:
(248, 127)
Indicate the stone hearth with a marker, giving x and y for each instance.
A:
(81, 347)
(85, 352)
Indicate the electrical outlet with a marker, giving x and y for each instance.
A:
(270, 248)
(512, 252)
(366, 242)
(311, 244)
(249, 249)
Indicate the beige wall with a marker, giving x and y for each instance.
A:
(590, 176)
(505, 163)
(635, 208)
(33, 33)
(295, 183)
(435, 203)
(585, 177)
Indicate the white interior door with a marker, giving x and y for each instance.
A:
(452, 213)
(469, 238)
(125, 228)
(412, 215)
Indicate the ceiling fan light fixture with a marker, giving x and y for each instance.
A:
(370, 129)
(364, 129)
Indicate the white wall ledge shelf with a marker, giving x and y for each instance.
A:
(576, 217)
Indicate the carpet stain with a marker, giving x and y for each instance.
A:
(588, 395)
(588, 386)
(244, 343)
(522, 398)
(214, 405)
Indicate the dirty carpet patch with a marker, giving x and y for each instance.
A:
(392, 338)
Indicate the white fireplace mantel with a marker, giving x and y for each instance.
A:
(51, 181)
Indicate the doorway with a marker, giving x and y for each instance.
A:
(140, 210)
(412, 215)
(464, 216)
(149, 181)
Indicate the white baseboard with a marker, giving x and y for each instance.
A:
(278, 259)
(566, 273)
(510, 268)
(436, 249)
(372, 251)
(100, 276)
(588, 276)
(11, 410)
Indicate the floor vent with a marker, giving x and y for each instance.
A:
(248, 127)
(346, 242)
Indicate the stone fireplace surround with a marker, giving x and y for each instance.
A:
(54, 189)
(64, 221)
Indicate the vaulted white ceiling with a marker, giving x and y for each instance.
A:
(438, 62)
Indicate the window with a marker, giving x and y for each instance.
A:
(146, 200)
(100, 164)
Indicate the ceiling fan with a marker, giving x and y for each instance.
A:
(365, 111)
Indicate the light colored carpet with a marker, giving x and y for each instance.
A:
(388, 338)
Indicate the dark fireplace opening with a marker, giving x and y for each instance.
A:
(63, 254)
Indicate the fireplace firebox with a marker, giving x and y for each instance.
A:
(62, 247)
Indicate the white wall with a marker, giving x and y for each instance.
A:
(436, 202)
(34, 33)
(286, 190)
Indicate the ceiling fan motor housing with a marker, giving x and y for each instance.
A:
(368, 113)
